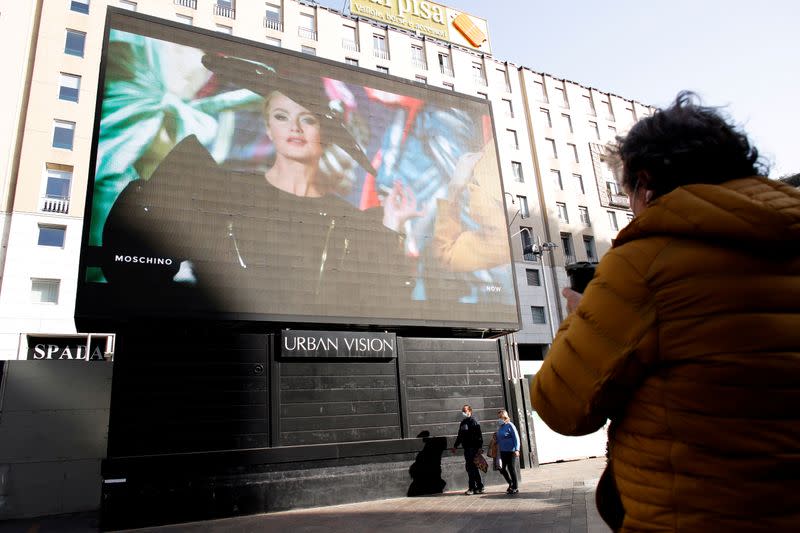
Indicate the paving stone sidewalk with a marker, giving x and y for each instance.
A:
(555, 497)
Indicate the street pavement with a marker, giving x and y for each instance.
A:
(556, 497)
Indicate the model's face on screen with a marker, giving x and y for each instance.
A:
(293, 129)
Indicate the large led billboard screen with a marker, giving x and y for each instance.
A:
(235, 181)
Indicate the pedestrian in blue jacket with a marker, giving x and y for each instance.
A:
(508, 444)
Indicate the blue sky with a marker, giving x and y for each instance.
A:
(743, 55)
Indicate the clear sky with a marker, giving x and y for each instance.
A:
(743, 55)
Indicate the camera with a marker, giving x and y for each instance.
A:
(580, 274)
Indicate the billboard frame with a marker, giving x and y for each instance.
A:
(93, 321)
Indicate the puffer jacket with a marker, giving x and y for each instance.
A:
(688, 338)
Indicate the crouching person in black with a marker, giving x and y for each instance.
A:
(469, 436)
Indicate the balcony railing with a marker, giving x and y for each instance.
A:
(224, 11)
(569, 259)
(192, 4)
(619, 200)
(420, 63)
(349, 44)
(380, 54)
(305, 33)
(54, 205)
(447, 71)
(480, 81)
(273, 24)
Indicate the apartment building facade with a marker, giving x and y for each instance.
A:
(563, 204)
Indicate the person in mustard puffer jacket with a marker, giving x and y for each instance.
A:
(688, 337)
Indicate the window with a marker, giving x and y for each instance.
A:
(224, 8)
(382, 69)
(527, 244)
(308, 26)
(509, 108)
(503, 73)
(310, 50)
(523, 206)
(349, 38)
(578, 183)
(44, 291)
(351, 61)
(546, 117)
(75, 43)
(552, 144)
(184, 19)
(563, 216)
(589, 104)
(69, 86)
(612, 132)
(629, 216)
(379, 48)
(562, 95)
(584, 212)
(537, 314)
(421, 79)
(445, 66)
(613, 188)
(556, 176)
(632, 112)
(63, 134)
(567, 121)
(606, 101)
(224, 29)
(516, 169)
(51, 235)
(595, 128)
(418, 56)
(273, 41)
(612, 219)
(533, 277)
(272, 17)
(478, 74)
(79, 6)
(540, 90)
(127, 4)
(59, 181)
(588, 243)
(574, 149)
(566, 245)
(513, 140)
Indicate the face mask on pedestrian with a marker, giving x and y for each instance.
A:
(500, 421)
(464, 414)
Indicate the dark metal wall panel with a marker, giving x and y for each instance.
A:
(444, 374)
(174, 393)
(324, 402)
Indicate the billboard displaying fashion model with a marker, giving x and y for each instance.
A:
(235, 181)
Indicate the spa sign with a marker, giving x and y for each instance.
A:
(345, 344)
(427, 18)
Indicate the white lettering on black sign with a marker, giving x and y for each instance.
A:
(337, 344)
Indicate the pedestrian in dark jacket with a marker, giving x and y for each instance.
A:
(469, 436)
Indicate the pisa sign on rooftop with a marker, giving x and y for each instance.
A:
(427, 18)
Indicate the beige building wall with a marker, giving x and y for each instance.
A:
(516, 101)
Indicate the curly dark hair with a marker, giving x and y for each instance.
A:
(683, 144)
